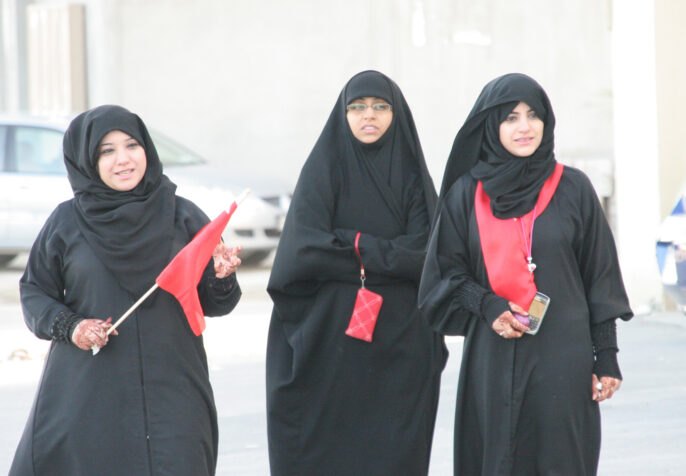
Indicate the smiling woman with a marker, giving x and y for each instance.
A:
(122, 162)
(528, 387)
(522, 131)
(146, 397)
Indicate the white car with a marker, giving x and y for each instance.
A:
(33, 182)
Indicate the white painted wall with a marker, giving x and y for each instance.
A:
(253, 82)
(636, 148)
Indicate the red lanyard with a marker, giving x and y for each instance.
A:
(528, 243)
(357, 250)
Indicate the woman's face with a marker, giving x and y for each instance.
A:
(369, 118)
(522, 131)
(121, 161)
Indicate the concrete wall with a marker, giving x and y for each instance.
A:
(253, 82)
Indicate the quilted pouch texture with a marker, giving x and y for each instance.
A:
(365, 313)
(367, 307)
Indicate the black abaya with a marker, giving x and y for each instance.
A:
(144, 404)
(524, 406)
(338, 405)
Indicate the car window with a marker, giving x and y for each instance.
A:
(173, 153)
(37, 150)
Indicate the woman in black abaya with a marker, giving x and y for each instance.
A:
(338, 405)
(144, 404)
(526, 404)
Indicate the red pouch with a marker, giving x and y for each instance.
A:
(367, 307)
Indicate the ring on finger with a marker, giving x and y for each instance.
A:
(502, 333)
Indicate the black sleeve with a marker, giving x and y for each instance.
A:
(449, 296)
(401, 256)
(41, 287)
(218, 297)
(597, 256)
(64, 325)
(604, 337)
(308, 240)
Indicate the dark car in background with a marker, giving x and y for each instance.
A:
(33, 182)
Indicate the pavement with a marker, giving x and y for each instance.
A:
(644, 425)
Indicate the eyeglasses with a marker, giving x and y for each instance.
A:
(359, 108)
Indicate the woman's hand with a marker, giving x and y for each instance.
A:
(605, 387)
(91, 333)
(226, 260)
(507, 326)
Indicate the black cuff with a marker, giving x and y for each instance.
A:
(222, 285)
(606, 364)
(604, 336)
(64, 325)
(493, 306)
(469, 295)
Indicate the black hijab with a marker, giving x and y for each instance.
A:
(130, 232)
(512, 183)
(396, 157)
(379, 153)
(360, 185)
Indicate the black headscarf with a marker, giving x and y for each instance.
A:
(512, 182)
(362, 184)
(395, 156)
(379, 153)
(131, 232)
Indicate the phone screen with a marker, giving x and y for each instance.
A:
(538, 306)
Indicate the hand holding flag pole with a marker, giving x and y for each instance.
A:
(182, 275)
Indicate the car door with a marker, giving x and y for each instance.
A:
(32, 182)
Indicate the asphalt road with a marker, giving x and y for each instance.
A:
(644, 425)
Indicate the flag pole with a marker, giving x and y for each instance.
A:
(242, 196)
(132, 308)
(95, 348)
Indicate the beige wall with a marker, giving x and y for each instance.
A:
(253, 82)
(670, 42)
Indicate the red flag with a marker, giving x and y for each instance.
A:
(183, 273)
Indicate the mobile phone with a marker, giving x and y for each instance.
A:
(537, 311)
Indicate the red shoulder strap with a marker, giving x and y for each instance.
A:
(502, 247)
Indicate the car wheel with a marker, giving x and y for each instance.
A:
(5, 260)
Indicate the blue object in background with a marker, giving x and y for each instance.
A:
(670, 252)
